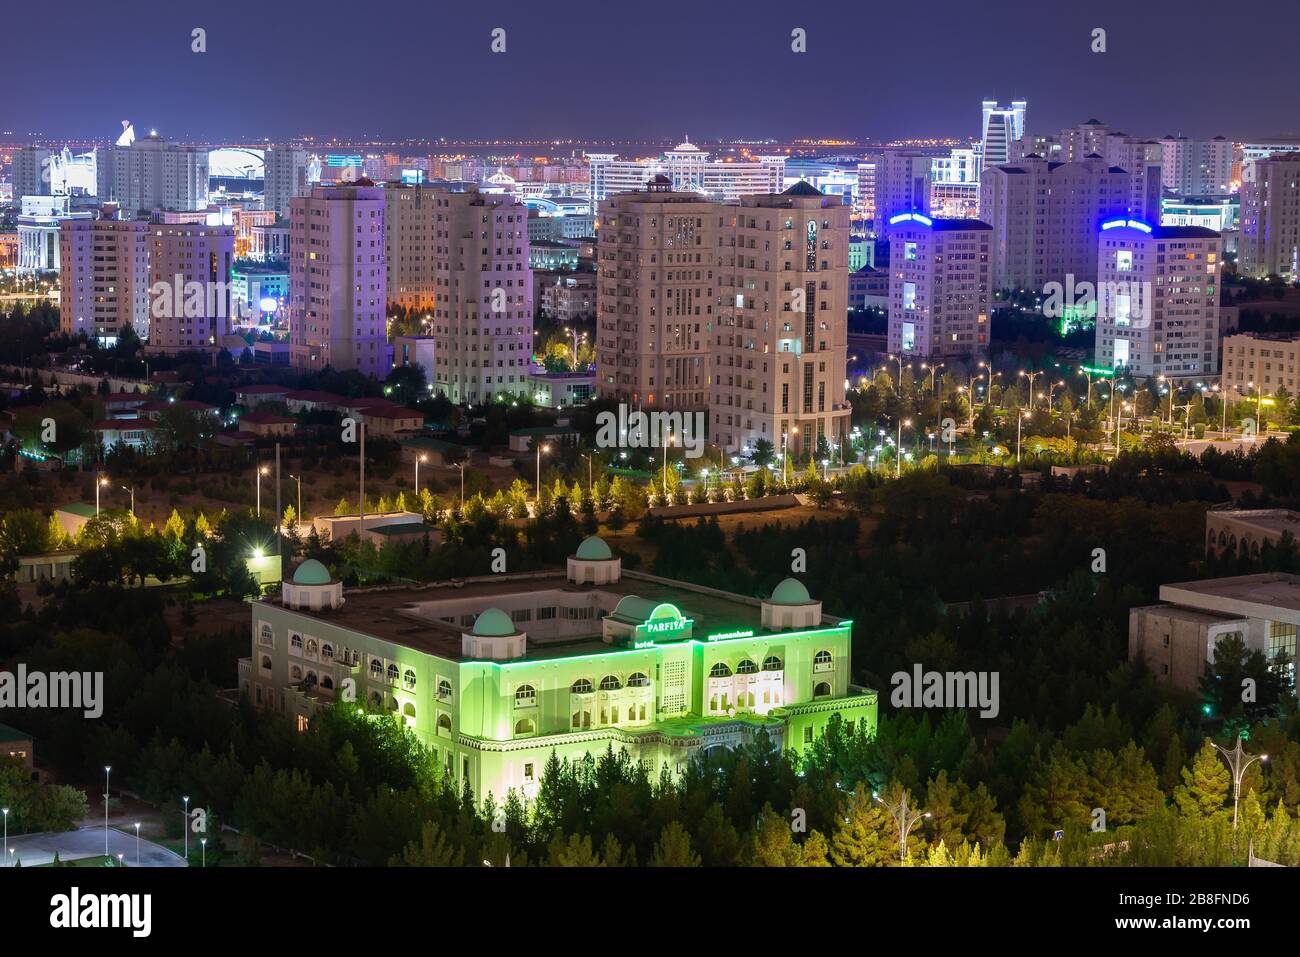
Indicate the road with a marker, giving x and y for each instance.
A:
(34, 849)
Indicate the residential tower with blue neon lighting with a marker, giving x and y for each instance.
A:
(1158, 299)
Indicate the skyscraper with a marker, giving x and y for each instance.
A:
(286, 173)
(1158, 298)
(104, 282)
(1000, 128)
(153, 174)
(411, 237)
(1196, 167)
(189, 286)
(338, 277)
(1270, 218)
(1045, 216)
(940, 288)
(902, 186)
(483, 310)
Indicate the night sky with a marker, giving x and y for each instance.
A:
(597, 69)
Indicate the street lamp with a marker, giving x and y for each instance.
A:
(100, 482)
(107, 769)
(298, 479)
(187, 829)
(1020, 419)
(461, 466)
(898, 449)
(1031, 376)
(540, 450)
(904, 819)
(132, 491)
(418, 459)
(204, 842)
(785, 444)
(262, 470)
(137, 843)
(668, 440)
(6, 814)
(1238, 768)
(898, 386)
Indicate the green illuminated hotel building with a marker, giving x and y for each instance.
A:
(495, 673)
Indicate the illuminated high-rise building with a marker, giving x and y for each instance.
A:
(1270, 218)
(940, 287)
(902, 186)
(411, 241)
(153, 174)
(1001, 127)
(483, 310)
(689, 170)
(104, 277)
(287, 175)
(1197, 167)
(190, 303)
(338, 280)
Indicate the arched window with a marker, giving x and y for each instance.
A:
(376, 668)
(409, 678)
(266, 662)
(823, 690)
(311, 646)
(1223, 538)
(720, 670)
(638, 680)
(581, 686)
(295, 673)
(409, 710)
(391, 704)
(1254, 549)
(610, 683)
(444, 723)
(525, 696)
(771, 663)
(392, 672)
(295, 641)
(746, 667)
(327, 651)
(524, 726)
(327, 682)
(444, 689)
(310, 680)
(376, 700)
(823, 658)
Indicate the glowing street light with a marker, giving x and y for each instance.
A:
(1238, 767)
(898, 449)
(540, 450)
(100, 482)
(262, 470)
(418, 459)
(107, 769)
(904, 819)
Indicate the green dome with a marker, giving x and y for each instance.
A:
(311, 572)
(494, 623)
(593, 548)
(790, 592)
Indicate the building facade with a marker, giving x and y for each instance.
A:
(1196, 167)
(499, 675)
(287, 176)
(411, 245)
(104, 282)
(689, 170)
(1257, 364)
(1270, 218)
(153, 174)
(902, 185)
(190, 292)
(483, 312)
(1001, 127)
(940, 288)
(338, 277)
(1158, 299)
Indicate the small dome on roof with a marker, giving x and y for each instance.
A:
(494, 623)
(311, 572)
(593, 548)
(790, 592)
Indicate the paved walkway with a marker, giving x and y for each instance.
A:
(34, 849)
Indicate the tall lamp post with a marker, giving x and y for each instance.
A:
(904, 819)
(1031, 376)
(187, 829)
(107, 769)
(1238, 761)
(137, 843)
(100, 482)
(418, 459)
(898, 449)
(540, 450)
(298, 479)
(262, 470)
(6, 814)
(132, 491)
(1020, 419)
(461, 466)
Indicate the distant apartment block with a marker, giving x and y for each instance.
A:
(1270, 218)
(105, 277)
(1196, 167)
(1255, 364)
(690, 170)
(153, 174)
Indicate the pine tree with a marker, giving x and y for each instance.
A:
(1205, 785)
(674, 848)
(864, 839)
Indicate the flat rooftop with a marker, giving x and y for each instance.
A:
(1274, 520)
(394, 613)
(1269, 595)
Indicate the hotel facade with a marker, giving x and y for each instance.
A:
(495, 674)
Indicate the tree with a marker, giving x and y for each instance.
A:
(432, 850)
(762, 453)
(674, 848)
(864, 838)
(1205, 785)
